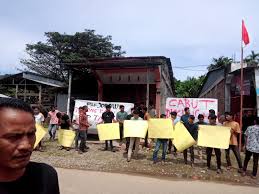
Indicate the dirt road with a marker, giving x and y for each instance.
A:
(81, 182)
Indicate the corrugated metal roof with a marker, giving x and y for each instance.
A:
(212, 77)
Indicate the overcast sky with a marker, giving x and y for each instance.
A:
(189, 32)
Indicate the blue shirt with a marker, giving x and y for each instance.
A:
(184, 118)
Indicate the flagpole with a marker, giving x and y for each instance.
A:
(241, 96)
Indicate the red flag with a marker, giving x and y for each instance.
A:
(245, 36)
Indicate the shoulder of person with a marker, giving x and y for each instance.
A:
(45, 169)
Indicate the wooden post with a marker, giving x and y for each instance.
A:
(147, 95)
(241, 97)
(40, 93)
(24, 92)
(69, 92)
(100, 90)
(16, 91)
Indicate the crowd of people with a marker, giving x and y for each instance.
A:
(17, 138)
(80, 124)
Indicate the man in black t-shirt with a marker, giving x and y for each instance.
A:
(193, 130)
(64, 123)
(17, 137)
(108, 117)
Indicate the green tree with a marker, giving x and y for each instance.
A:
(220, 62)
(46, 58)
(189, 88)
(252, 59)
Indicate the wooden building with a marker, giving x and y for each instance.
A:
(33, 88)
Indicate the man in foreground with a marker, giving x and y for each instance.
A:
(17, 137)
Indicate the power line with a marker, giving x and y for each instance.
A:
(190, 66)
(189, 69)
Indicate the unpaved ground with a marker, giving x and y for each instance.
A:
(97, 160)
(78, 182)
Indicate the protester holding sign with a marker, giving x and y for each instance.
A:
(76, 127)
(108, 117)
(120, 117)
(127, 138)
(146, 117)
(83, 127)
(160, 142)
(200, 122)
(39, 119)
(213, 121)
(175, 119)
(65, 124)
(134, 140)
(235, 130)
(193, 130)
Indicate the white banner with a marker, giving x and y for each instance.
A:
(96, 109)
(197, 106)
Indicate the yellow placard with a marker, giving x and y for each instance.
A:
(160, 128)
(214, 136)
(108, 131)
(40, 133)
(136, 128)
(182, 138)
(66, 137)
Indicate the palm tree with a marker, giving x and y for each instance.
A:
(220, 62)
(252, 59)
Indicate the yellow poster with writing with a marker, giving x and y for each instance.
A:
(40, 133)
(135, 128)
(182, 138)
(66, 137)
(108, 131)
(160, 128)
(214, 136)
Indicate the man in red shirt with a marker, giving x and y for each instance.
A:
(83, 127)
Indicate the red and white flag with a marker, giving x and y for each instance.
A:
(245, 36)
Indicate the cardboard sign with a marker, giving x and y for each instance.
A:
(182, 138)
(108, 131)
(136, 128)
(66, 137)
(214, 136)
(40, 133)
(160, 128)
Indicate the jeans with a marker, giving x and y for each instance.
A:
(52, 130)
(121, 131)
(170, 145)
(218, 156)
(82, 138)
(191, 152)
(77, 138)
(234, 148)
(160, 142)
(106, 144)
(146, 141)
(255, 161)
(133, 140)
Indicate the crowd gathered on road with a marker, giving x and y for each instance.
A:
(80, 124)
